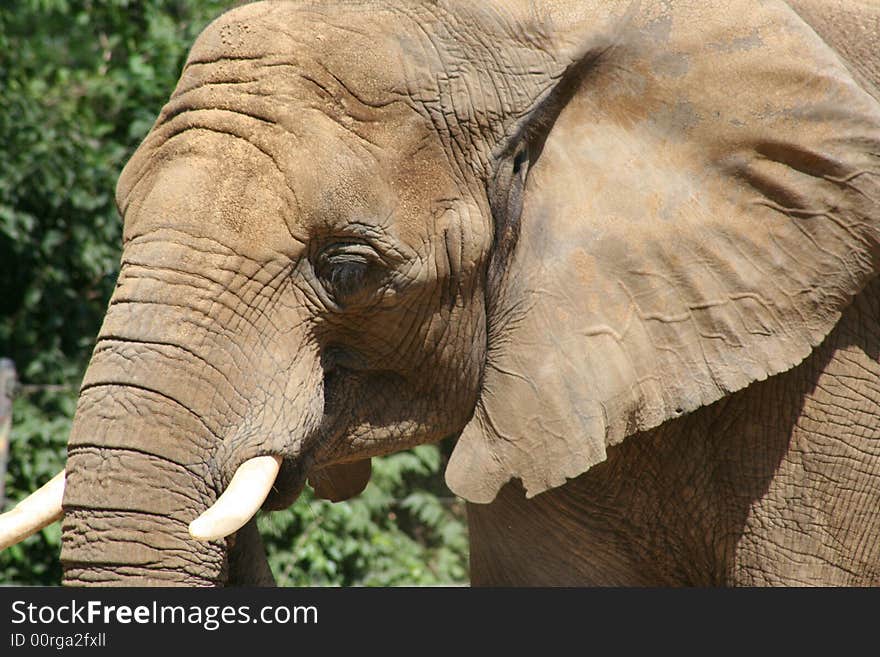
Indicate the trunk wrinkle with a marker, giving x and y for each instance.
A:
(153, 391)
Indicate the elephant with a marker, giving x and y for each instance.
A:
(624, 253)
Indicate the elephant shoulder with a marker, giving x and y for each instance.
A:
(852, 29)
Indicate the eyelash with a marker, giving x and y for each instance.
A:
(345, 269)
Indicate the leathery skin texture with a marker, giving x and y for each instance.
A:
(721, 496)
(626, 253)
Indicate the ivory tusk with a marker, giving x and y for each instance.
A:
(39, 509)
(243, 497)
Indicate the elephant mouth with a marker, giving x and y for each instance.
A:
(289, 483)
(314, 458)
(265, 481)
(270, 480)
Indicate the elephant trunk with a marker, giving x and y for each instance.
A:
(171, 414)
(141, 462)
(134, 482)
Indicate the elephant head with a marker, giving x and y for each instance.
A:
(540, 227)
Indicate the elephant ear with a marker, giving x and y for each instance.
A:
(704, 204)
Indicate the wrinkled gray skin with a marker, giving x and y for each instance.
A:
(357, 227)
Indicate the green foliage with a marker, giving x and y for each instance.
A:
(81, 82)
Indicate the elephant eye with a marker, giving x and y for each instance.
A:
(346, 269)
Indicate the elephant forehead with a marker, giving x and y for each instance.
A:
(356, 43)
(311, 103)
(209, 176)
(203, 188)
